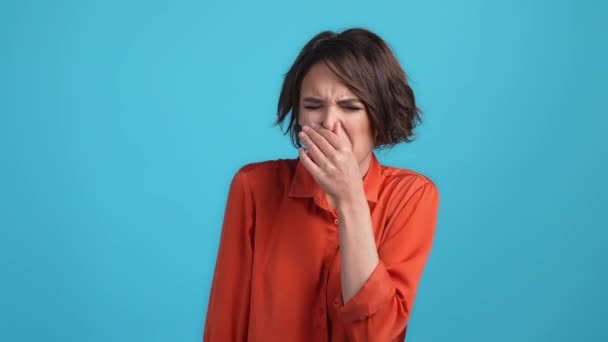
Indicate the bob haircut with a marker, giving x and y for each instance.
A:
(368, 67)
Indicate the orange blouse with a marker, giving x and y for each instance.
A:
(277, 274)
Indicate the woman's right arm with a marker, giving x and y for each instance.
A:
(228, 309)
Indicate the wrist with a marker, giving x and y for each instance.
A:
(353, 200)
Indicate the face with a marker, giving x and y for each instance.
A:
(325, 100)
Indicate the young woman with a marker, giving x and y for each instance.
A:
(329, 246)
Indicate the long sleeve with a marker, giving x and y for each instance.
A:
(228, 309)
(380, 310)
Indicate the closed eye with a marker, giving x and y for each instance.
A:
(352, 109)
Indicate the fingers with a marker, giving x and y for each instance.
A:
(314, 151)
(318, 136)
(309, 165)
(341, 133)
(332, 139)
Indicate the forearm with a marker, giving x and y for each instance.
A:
(357, 245)
(377, 305)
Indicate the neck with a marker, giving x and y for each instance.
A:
(365, 164)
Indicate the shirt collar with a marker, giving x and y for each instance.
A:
(304, 185)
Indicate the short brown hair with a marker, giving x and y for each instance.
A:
(368, 67)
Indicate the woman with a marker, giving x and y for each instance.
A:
(329, 246)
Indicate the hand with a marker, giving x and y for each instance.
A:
(331, 161)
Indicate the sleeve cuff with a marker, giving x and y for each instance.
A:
(377, 291)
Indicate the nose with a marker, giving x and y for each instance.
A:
(330, 117)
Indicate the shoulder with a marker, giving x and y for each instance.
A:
(267, 174)
(406, 189)
(267, 169)
(406, 179)
(401, 186)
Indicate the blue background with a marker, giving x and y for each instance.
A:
(121, 125)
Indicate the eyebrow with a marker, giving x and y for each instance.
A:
(319, 100)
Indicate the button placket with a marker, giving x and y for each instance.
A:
(331, 305)
(334, 213)
(336, 302)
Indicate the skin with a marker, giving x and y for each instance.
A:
(339, 139)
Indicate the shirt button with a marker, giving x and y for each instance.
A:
(336, 221)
